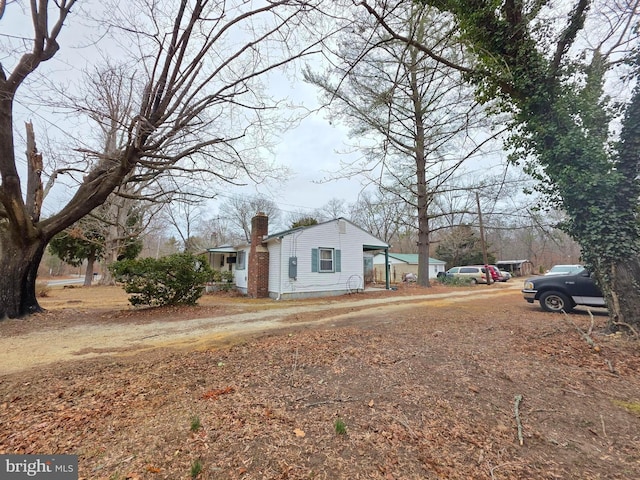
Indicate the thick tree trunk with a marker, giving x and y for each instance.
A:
(19, 263)
(622, 294)
(106, 277)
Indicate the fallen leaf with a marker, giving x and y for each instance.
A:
(371, 403)
(214, 394)
(299, 433)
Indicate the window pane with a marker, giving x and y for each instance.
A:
(326, 260)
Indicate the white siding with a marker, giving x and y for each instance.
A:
(277, 267)
(434, 269)
(378, 261)
(300, 244)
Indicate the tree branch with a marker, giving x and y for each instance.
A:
(414, 43)
(568, 36)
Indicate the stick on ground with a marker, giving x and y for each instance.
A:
(584, 335)
(516, 410)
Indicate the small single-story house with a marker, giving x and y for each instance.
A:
(329, 258)
(402, 263)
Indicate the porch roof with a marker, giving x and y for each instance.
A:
(222, 249)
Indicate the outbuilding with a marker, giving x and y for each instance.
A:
(402, 264)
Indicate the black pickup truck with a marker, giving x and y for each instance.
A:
(558, 293)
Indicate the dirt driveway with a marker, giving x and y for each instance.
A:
(40, 343)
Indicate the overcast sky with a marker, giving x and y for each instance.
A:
(312, 151)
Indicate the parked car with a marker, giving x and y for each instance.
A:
(477, 274)
(564, 269)
(497, 275)
(558, 293)
(506, 275)
(493, 271)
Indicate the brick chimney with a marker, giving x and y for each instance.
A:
(258, 281)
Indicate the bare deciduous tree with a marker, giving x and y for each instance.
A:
(241, 210)
(380, 213)
(199, 63)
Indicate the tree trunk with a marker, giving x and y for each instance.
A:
(88, 274)
(106, 277)
(622, 295)
(111, 245)
(19, 265)
(35, 193)
(116, 232)
(422, 189)
(423, 250)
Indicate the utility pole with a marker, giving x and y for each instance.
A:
(485, 259)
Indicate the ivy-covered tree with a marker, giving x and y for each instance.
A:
(582, 144)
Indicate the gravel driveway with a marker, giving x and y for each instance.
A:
(48, 345)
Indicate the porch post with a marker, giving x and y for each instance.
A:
(386, 268)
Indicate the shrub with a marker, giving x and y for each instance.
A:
(221, 281)
(177, 279)
(223, 276)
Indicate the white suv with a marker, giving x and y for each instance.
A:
(565, 269)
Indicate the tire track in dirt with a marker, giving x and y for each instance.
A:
(21, 352)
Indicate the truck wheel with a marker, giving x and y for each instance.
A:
(555, 302)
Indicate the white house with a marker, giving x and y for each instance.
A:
(403, 263)
(330, 258)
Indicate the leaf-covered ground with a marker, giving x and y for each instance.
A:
(427, 392)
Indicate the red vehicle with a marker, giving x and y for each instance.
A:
(496, 276)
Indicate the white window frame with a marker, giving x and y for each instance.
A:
(321, 250)
(241, 260)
